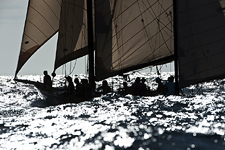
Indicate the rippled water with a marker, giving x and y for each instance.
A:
(112, 121)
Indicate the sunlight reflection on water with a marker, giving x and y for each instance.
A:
(110, 121)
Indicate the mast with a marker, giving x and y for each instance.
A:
(90, 41)
(175, 46)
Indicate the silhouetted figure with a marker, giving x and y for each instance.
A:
(142, 87)
(70, 87)
(85, 90)
(135, 86)
(47, 80)
(161, 87)
(125, 89)
(78, 84)
(53, 74)
(170, 86)
(104, 88)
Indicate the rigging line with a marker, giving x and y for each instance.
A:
(66, 27)
(216, 65)
(200, 44)
(77, 21)
(144, 25)
(157, 70)
(151, 6)
(167, 16)
(71, 49)
(162, 5)
(213, 16)
(118, 39)
(130, 21)
(171, 29)
(166, 26)
(157, 23)
(201, 58)
(86, 65)
(71, 46)
(64, 24)
(166, 43)
(154, 45)
(219, 27)
(119, 14)
(164, 10)
(154, 51)
(129, 24)
(82, 30)
(130, 39)
(74, 66)
(147, 55)
(199, 72)
(159, 20)
(133, 4)
(138, 47)
(159, 12)
(57, 51)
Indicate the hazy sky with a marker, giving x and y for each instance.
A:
(12, 19)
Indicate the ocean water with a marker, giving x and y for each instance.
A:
(195, 120)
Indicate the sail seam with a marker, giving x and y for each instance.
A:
(44, 19)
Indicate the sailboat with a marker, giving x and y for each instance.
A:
(131, 34)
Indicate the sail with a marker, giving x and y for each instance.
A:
(72, 37)
(132, 34)
(42, 22)
(201, 40)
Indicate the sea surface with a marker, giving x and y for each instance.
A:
(194, 120)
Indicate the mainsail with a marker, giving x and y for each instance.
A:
(133, 35)
(42, 22)
(201, 40)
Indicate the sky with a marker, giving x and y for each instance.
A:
(12, 20)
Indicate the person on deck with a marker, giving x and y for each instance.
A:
(125, 89)
(161, 87)
(142, 87)
(47, 80)
(78, 84)
(170, 86)
(85, 90)
(70, 87)
(135, 86)
(105, 88)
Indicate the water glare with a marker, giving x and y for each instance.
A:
(112, 121)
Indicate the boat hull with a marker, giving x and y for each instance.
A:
(54, 96)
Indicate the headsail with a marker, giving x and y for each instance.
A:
(72, 37)
(42, 22)
(133, 34)
(201, 40)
